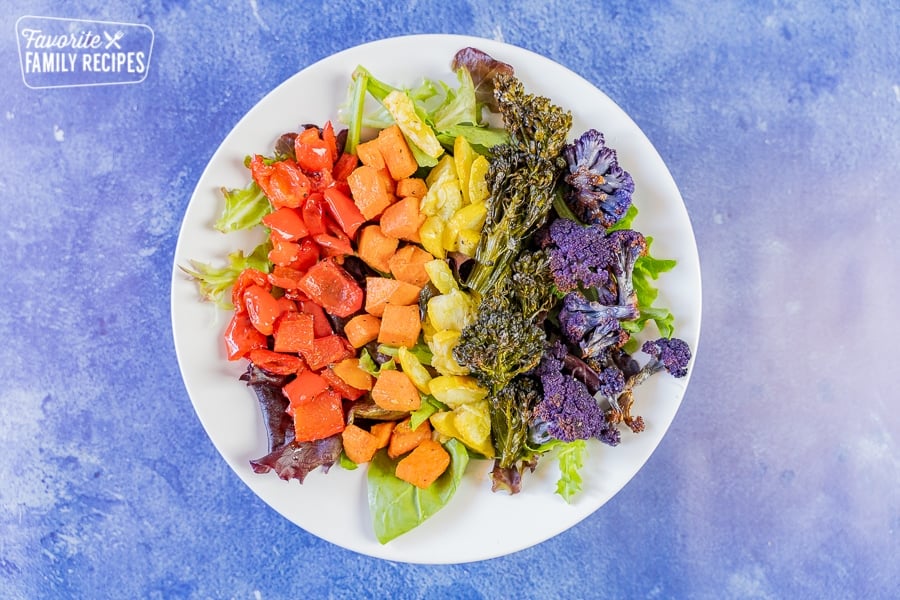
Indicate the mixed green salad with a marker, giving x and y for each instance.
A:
(449, 275)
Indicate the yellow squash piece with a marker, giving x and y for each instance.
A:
(478, 188)
(456, 390)
(415, 129)
(414, 369)
(441, 345)
(463, 155)
(470, 424)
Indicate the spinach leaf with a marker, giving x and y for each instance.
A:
(397, 506)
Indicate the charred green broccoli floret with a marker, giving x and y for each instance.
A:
(510, 409)
(521, 178)
(530, 284)
(499, 344)
(601, 190)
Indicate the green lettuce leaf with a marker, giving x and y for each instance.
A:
(244, 208)
(429, 406)
(397, 506)
(571, 460)
(215, 282)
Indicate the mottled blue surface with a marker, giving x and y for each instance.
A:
(780, 477)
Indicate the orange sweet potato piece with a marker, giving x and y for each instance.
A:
(359, 444)
(393, 390)
(404, 439)
(370, 191)
(408, 264)
(424, 464)
(375, 247)
(402, 219)
(396, 153)
(351, 373)
(370, 154)
(382, 432)
(400, 325)
(381, 291)
(412, 186)
(362, 329)
(319, 417)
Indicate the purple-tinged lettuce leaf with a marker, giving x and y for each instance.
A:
(272, 405)
(296, 460)
(483, 68)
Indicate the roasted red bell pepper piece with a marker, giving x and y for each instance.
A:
(245, 279)
(343, 210)
(241, 337)
(312, 152)
(321, 324)
(286, 223)
(283, 252)
(276, 363)
(347, 391)
(332, 288)
(283, 183)
(330, 140)
(314, 214)
(327, 351)
(262, 308)
(294, 332)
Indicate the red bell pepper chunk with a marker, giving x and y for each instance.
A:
(286, 278)
(283, 252)
(283, 183)
(318, 418)
(294, 332)
(307, 256)
(311, 151)
(347, 391)
(321, 324)
(344, 210)
(276, 363)
(330, 140)
(332, 245)
(305, 387)
(344, 166)
(241, 337)
(332, 288)
(262, 308)
(286, 223)
(313, 213)
(245, 279)
(327, 351)
(320, 180)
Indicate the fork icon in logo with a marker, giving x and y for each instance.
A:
(113, 40)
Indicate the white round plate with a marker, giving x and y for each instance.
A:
(477, 524)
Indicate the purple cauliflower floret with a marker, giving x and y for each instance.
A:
(567, 411)
(671, 354)
(600, 191)
(579, 256)
(612, 381)
(592, 326)
(627, 246)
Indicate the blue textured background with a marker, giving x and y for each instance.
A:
(780, 477)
